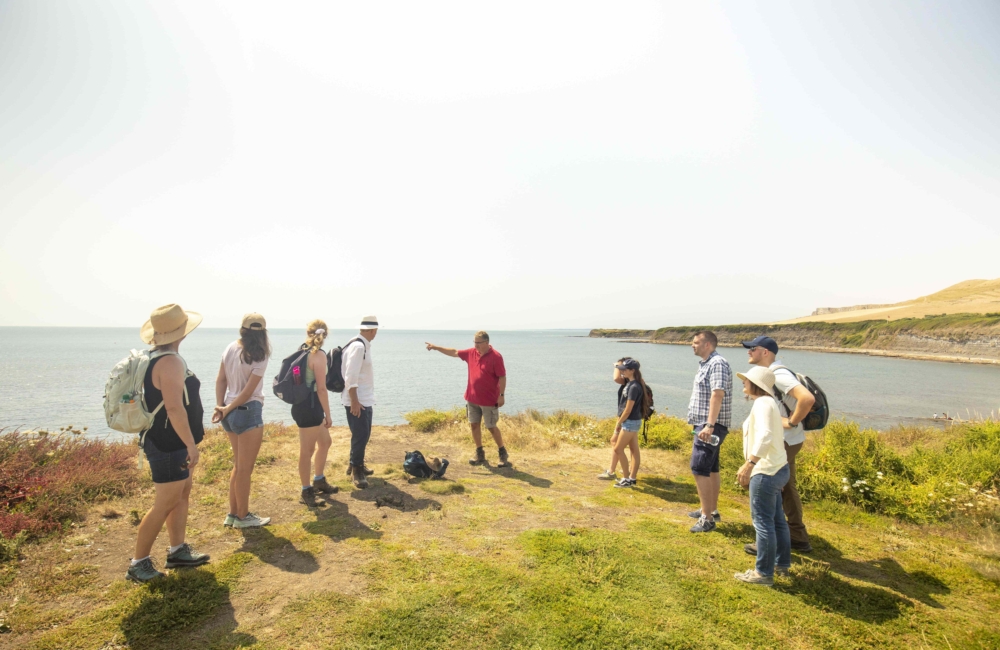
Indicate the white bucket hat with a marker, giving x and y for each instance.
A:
(761, 377)
(369, 323)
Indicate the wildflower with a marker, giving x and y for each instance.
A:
(845, 489)
(844, 480)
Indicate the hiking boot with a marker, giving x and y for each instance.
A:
(251, 521)
(696, 514)
(504, 458)
(308, 497)
(230, 518)
(360, 481)
(781, 571)
(321, 486)
(802, 547)
(185, 557)
(142, 572)
(750, 576)
(480, 458)
(607, 476)
(364, 468)
(750, 549)
(704, 525)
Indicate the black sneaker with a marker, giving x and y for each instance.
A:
(185, 557)
(308, 497)
(480, 458)
(802, 547)
(696, 514)
(504, 458)
(360, 481)
(321, 486)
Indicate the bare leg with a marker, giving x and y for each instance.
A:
(178, 517)
(614, 454)
(497, 438)
(168, 495)
(234, 442)
(477, 433)
(248, 447)
(633, 446)
(307, 443)
(623, 439)
(708, 492)
(323, 443)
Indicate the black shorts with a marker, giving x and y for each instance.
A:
(166, 466)
(308, 413)
(705, 457)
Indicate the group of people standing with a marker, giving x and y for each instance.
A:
(172, 392)
(771, 441)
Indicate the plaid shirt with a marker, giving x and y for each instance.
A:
(714, 373)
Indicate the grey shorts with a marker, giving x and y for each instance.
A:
(243, 418)
(488, 415)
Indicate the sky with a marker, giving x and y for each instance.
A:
(516, 165)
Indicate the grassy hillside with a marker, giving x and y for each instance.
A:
(959, 334)
(540, 556)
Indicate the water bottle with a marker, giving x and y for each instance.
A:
(712, 440)
(296, 375)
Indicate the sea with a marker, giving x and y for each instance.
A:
(55, 377)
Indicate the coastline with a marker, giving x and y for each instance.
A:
(896, 354)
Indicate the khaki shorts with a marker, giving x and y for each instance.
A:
(477, 414)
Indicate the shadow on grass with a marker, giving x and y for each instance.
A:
(175, 604)
(885, 572)
(337, 523)
(385, 494)
(510, 472)
(831, 593)
(277, 551)
(737, 531)
(664, 488)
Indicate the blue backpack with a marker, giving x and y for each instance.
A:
(416, 465)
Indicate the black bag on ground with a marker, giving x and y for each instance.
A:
(819, 415)
(416, 465)
(290, 382)
(334, 358)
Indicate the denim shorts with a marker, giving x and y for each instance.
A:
(705, 457)
(166, 466)
(243, 418)
(632, 425)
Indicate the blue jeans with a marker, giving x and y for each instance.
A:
(773, 540)
(361, 431)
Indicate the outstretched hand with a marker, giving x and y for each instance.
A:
(430, 346)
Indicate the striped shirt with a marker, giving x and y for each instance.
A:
(714, 373)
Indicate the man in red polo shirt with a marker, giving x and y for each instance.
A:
(484, 393)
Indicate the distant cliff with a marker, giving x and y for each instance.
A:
(820, 311)
(953, 337)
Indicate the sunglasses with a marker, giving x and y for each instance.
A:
(749, 350)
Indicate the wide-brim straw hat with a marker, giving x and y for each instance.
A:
(761, 377)
(369, 323)
(167, 324)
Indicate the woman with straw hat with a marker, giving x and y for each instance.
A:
(170, 444)
(765, 472)
(239, 398)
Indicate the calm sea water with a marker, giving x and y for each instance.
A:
(50, 377)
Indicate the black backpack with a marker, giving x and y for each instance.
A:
(290, 382)
(819, 415)
(648, 407)
(416, 465)
(334, 377)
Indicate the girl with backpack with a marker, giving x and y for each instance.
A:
(313, 418)
(609, 474)
(170, 443)
(239, 398)
(632, 410)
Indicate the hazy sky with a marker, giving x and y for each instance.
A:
(506, 165)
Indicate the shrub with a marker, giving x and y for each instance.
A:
(430, 420)
(48, 479)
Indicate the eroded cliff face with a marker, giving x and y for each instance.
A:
(980, 340)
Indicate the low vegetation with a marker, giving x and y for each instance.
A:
(541, 556)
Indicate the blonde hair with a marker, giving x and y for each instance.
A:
(482, 335)
(315, 335)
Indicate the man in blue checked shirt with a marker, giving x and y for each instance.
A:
(710, 411)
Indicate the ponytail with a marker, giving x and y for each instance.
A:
(315, 335)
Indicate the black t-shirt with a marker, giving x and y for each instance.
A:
(631, 391)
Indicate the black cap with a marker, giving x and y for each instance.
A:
(628, 364)
(765, 342)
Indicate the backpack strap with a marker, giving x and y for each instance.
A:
(781, 396)
(363, 346)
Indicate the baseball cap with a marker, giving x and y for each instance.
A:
(628, 364)
(765, 342)
(254, 321)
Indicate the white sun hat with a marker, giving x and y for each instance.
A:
(369, 323)
(761, 377)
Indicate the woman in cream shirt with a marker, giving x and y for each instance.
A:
(765, 472)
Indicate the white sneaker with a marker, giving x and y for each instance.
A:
(230, 518)
(251, 521)
(607, 476)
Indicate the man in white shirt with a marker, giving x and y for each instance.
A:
(796, 403)
(358, 397)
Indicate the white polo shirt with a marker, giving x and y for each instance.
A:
(785, 381)
(356, 366)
